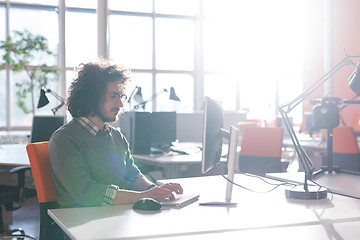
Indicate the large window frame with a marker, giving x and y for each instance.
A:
(198, 73)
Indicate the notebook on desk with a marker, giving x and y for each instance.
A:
(180, 201)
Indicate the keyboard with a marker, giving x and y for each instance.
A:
(180, 201)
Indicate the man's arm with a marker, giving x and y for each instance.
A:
(156, 192)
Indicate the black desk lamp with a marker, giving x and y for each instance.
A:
(327, 110)
(43, 100)
(172, 96)
(137, 97)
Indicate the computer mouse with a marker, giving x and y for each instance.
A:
(147, 204)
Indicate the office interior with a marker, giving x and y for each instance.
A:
(253, 56)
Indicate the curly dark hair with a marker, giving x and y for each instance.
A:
(90, 85)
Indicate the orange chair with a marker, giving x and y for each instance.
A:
(355, 122)
(261, 149)
(346, 154)
(39, 161)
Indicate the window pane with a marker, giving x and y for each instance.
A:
(2, 22)
(3, 94)
(45, 2)
(222, 87)
(183, 85)
(81, 3)
(180, 7)
(131, 41)
(18, 117)
(35, 25)
(175, 41)
(143, 80)
(81, 38)
(131, 5)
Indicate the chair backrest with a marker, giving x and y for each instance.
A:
(39, 161)
(261, 149)
(355, 122)
(262, 141)
(344, 140)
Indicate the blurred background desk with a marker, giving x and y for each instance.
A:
(172, 164)
(266, 215)
(13, 155)
(314, 147)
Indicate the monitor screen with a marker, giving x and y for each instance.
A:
(212, 133)
(163, 128)
(44, 126)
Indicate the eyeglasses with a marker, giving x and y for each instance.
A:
(116, 96)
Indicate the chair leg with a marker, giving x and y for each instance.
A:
(21, 235)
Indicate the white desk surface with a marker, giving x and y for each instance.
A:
(258, 215)
(13, 155)
(339, 183)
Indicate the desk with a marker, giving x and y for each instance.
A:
(174, 165)
(339, 183)
(315, 149)
(258, 215)
(14, 155)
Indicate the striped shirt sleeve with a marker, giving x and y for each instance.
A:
(110, 195)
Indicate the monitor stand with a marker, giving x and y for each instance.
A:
(231, 159)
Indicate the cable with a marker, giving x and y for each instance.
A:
(321, 186)
(246, 188)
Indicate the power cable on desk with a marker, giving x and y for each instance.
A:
(250, 175)
(321, 186)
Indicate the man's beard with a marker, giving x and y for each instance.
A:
(107, 119)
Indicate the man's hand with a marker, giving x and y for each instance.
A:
(163, 192)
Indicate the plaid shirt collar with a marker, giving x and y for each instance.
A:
(91, 127)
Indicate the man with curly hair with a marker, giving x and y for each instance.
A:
(90, 161)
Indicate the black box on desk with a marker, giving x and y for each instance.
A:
(137, 130)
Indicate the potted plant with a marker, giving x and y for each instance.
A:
(21, 51)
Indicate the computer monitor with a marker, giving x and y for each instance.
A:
(44, 126)
(163, 128)
(213, 134)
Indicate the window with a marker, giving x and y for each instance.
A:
(159, 46)
(248, 57)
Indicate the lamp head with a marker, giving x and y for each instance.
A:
(354, 80)
(43, 100)
(138, 95)
(173, 95)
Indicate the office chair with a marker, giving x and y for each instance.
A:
(39, 161)
(346, 154)
(355, 123)
(9, 195)
(261, 149)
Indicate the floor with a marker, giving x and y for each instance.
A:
(27, 217)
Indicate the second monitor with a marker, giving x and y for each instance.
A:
(163, 129)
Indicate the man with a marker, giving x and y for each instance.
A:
(90, 161)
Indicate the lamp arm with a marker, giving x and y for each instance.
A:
(55, 109)
(346, 61)
(286, 108)
(131, 95)
(55, 95)
(305, 161)
(62, 100)
(142, 104)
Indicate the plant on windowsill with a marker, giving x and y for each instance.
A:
(21, 51)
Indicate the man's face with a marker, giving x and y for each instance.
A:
(111, 103)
